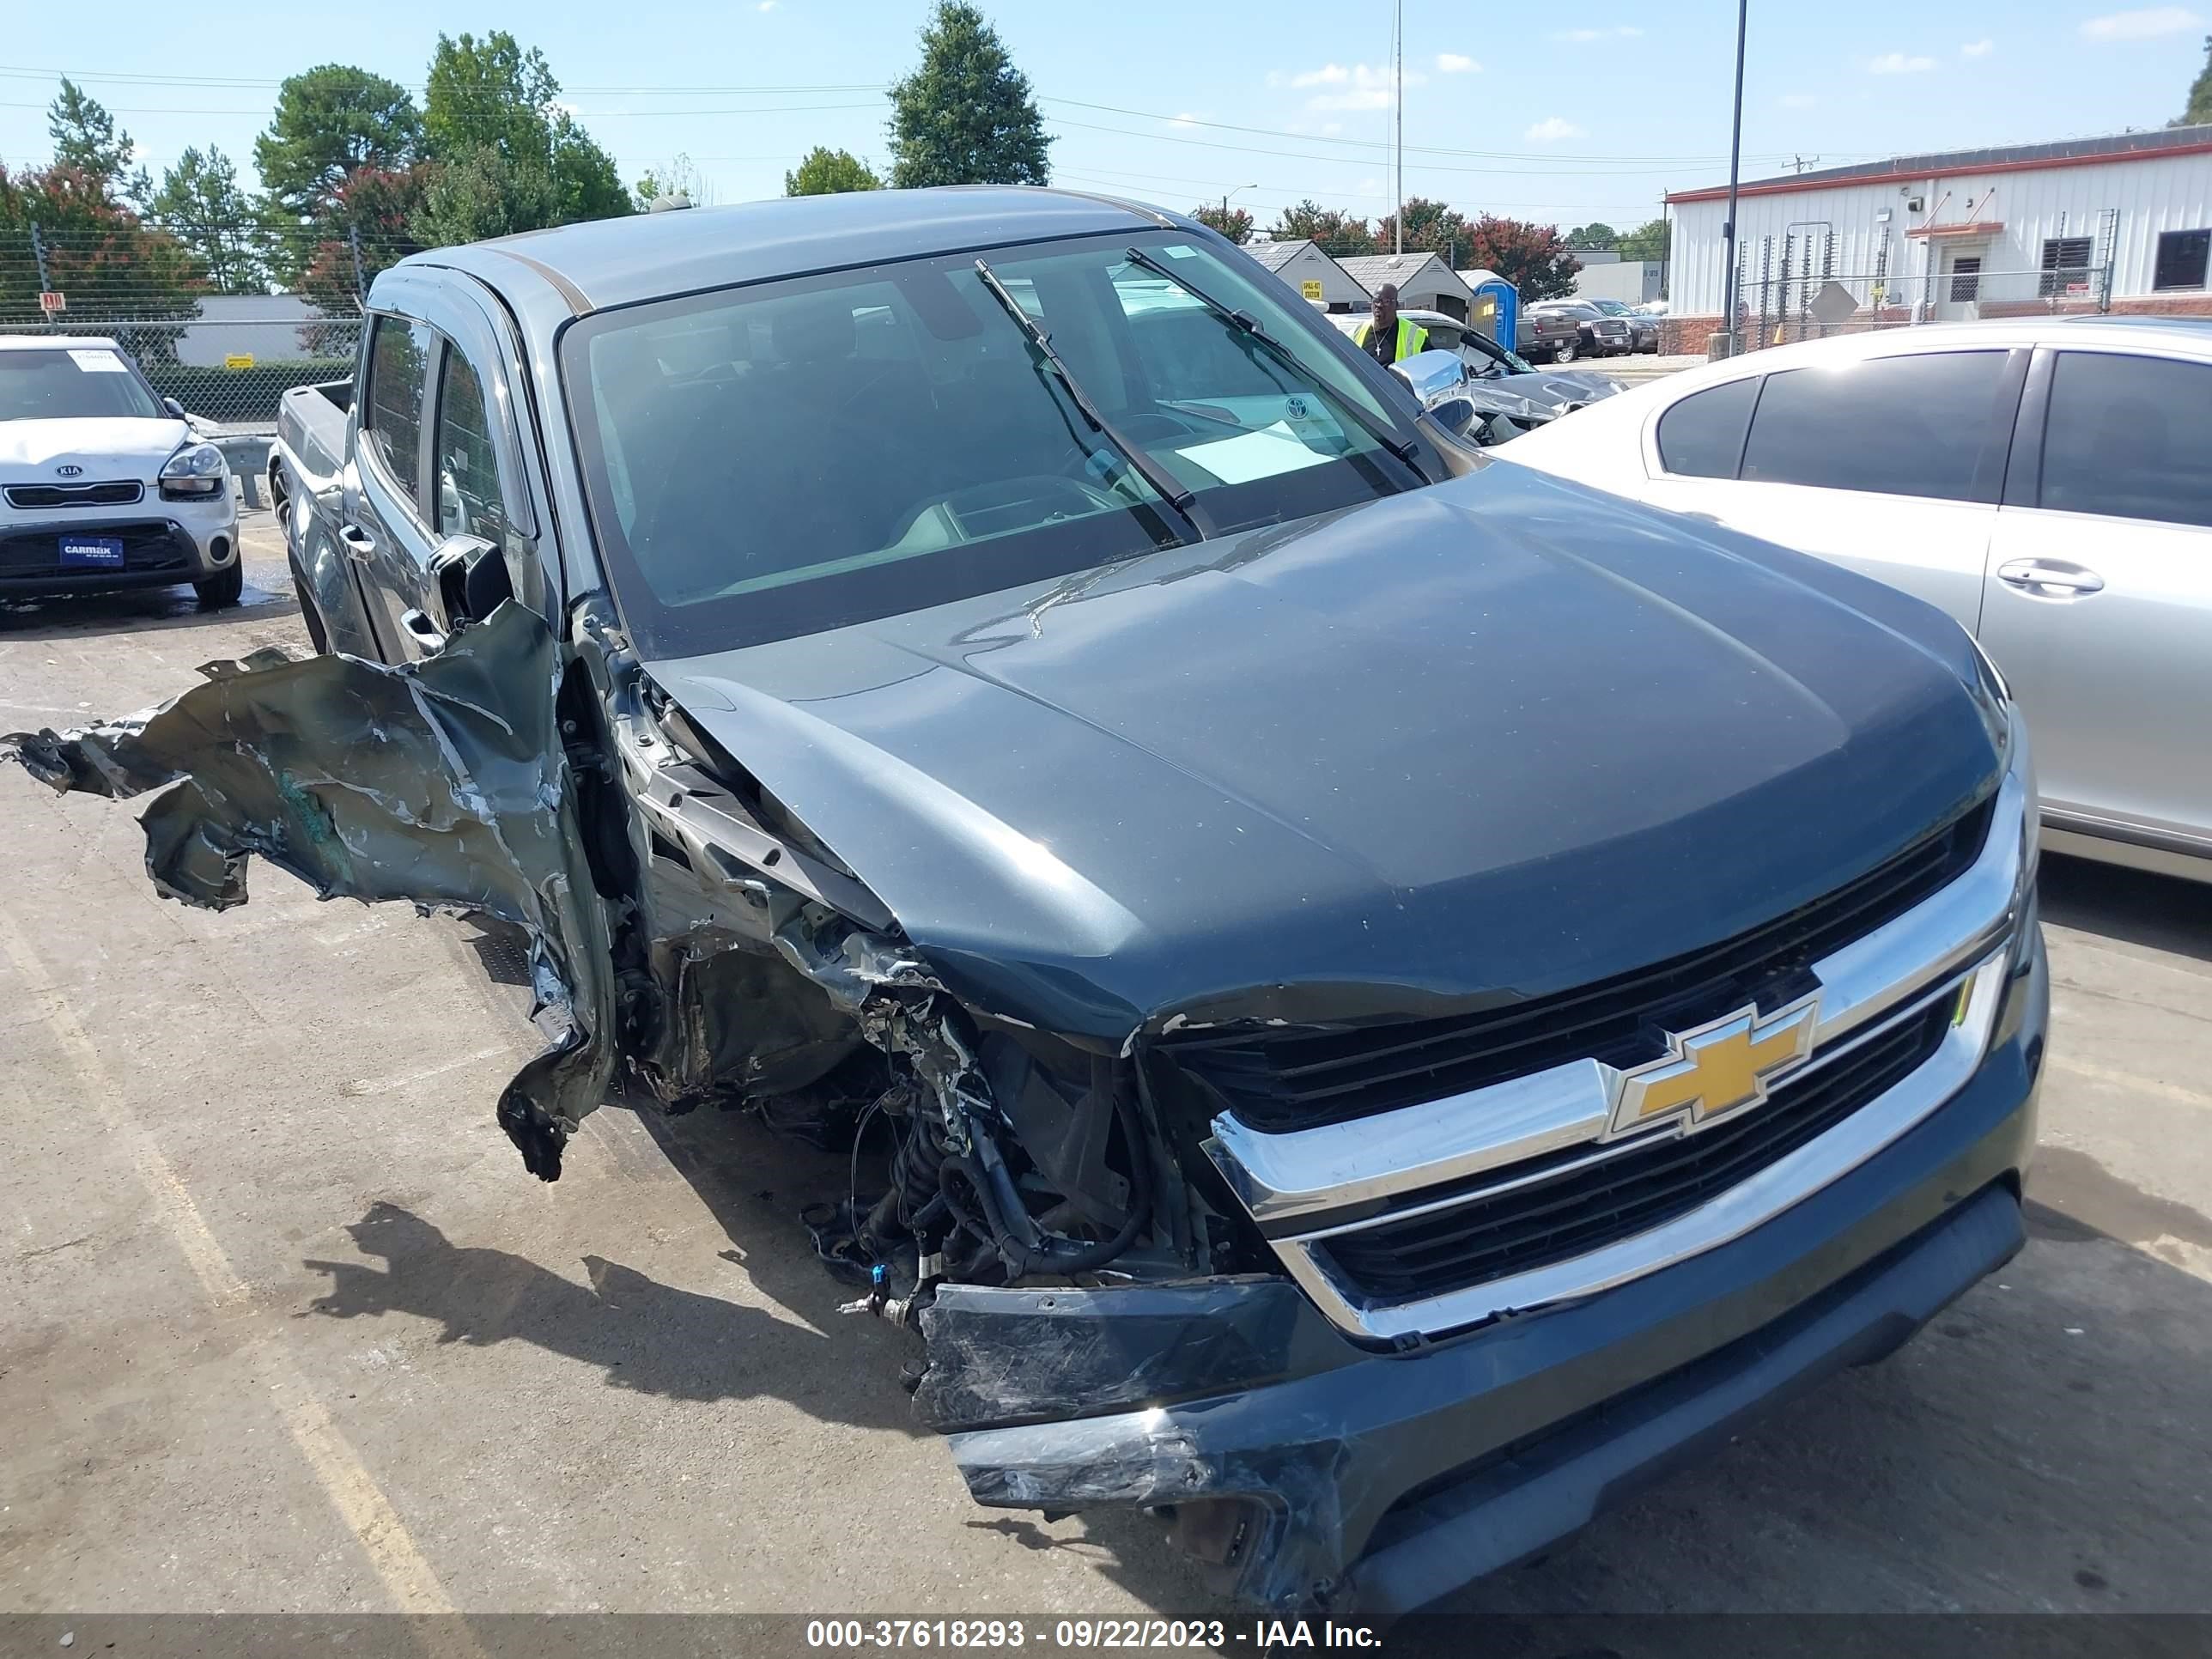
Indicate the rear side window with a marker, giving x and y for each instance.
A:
(1895, 426)
(1702, 436)
(2126, 438)
(398, 356)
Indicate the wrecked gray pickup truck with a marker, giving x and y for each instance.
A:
(1384, 996)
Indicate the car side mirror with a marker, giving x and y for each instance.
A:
(471, 578)
(173, 407)
(1432, 375)
(1455, 414)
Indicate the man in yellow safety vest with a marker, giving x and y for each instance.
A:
(1386, 336)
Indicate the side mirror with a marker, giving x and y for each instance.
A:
(1455, 414)
(471, 578)
(1433, 375)
(173, 407)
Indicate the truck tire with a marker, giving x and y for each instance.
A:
(223, 588)
(1566, 351)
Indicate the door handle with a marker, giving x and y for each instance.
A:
(2053, 579)
(424, 632)
(358, 541)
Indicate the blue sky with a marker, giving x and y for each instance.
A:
(1590, 113)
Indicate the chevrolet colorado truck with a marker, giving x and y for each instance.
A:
(1381, 996)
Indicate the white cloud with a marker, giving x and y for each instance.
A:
(2150, 22)
(1981, 48)
(1796, 101)
(1360, 85)
(1456, 63)
(766, 5)
(1896, 63)
(1552, 130)
(1330, 128)
(1584, 37)
(1185, 118)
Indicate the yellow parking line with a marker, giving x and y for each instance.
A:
(353, 1492)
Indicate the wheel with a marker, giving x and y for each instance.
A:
(224, 588)
(1566, 351)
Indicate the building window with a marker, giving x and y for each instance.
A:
(2065, 266)
(1966, 280)
(2182, 258)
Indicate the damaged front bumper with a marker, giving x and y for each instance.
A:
(1312, 1473)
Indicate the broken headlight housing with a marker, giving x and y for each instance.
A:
(195, 473)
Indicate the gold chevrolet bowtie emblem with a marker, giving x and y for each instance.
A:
(1716, 1068)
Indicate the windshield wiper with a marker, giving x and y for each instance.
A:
(1176, 496)
(1247, 323)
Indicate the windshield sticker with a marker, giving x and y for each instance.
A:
(98, 362)
(1262, 454)
(1181, 250)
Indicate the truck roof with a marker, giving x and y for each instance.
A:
(605, 263)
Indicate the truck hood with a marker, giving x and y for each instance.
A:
(1501, 736)
(106, 446)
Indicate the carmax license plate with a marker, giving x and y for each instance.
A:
(92, 552)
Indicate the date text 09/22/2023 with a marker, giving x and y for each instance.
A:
(1073, 1635)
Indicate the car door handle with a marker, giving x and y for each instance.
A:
(358, 541)
(2051, 578)
(424, 632)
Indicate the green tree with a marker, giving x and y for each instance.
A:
(1649, 240)
(492, 98)
(1337, 233)
(2200, 92)
(1530, 256)
(485, 194)
(1430, 227)
(88, 141)
(1597, 236)
(826, 171)
(1234, 223)
(330, 123)
(675, 177)
(200, 204)
(965, 116)
(368, 226)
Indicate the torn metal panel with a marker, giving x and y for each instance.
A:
(443, 782)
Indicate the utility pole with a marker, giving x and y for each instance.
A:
(38, 252)
(360, 281)
(1735, 167)
(1398, 105)
(1225, 195)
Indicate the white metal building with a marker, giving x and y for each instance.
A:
(1609, 276)
(1312, 273)
(2122, 222)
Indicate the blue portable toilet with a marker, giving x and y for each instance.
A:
(1497, 307)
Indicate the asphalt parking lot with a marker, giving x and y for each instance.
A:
(290, 1330)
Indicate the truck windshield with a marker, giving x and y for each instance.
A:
(71, 383)
(791, 456)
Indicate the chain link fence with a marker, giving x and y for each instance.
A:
(1789, 289)
(225, 320)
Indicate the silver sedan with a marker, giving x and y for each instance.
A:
(2043, 480)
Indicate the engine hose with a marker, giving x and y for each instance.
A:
(994, 1187)
(914, 1187)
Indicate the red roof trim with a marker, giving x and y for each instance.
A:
(1980, 227)
(1786, 186)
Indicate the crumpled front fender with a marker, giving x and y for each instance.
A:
(443, 782)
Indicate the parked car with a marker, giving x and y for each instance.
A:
(102, 482)
(1597, 334)
(1402, 993)
(1558, 391)
(2043, 481)
(1545, 337)
(1643, 326)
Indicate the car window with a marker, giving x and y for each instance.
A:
(2125, 438)
(469, 499)
(71, 383)
(1702, 436)
(789, 457)
(398, 357)
(1911, 425)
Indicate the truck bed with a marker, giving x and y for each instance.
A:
(311, 429)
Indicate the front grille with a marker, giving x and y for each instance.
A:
(1584, 1204)
(123, 492)
(1278, 1078)
(148, 548)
